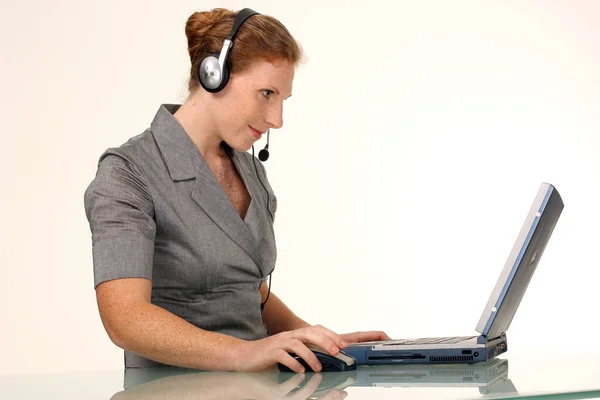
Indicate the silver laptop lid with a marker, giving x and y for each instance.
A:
(522, 261)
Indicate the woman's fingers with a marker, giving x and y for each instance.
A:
(284, 358)
(337, 339)
(296, 346)
(320, 336)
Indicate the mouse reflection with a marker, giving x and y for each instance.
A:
(175, 383)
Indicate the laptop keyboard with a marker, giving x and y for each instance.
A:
(439, 340)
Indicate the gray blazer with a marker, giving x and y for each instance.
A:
(157, 211)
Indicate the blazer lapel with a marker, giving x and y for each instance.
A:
(211, 197)
(185, 162)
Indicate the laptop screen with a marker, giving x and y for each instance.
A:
(522, 261)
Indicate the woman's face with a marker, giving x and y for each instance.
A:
(252, 102)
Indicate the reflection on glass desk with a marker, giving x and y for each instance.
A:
(568, 378)
(490, 377)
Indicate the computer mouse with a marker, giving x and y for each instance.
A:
(329, 363)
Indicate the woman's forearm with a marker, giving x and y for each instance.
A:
(155, 333)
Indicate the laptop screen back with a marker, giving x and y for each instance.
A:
(522, 261)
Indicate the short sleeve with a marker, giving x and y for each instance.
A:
(120, 212)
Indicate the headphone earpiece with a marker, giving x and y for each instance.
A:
(211, 77)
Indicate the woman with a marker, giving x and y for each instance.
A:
(182, 216)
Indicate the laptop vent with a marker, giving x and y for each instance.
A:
(458, 372)
(450, 358)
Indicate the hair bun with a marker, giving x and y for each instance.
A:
(199, 23)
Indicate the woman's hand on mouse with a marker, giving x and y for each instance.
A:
(358, 337)
(261, 354)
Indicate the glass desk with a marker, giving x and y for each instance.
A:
(526, 376)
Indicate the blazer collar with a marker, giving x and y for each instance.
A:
(179, 152)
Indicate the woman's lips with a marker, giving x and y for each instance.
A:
(257, 134)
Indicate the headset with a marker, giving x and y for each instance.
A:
(213, 74)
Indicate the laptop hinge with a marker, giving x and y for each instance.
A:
(482, 339)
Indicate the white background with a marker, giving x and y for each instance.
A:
(414, 144)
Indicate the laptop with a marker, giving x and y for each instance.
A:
(498, 312)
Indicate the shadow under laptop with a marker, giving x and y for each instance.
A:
(489, 378)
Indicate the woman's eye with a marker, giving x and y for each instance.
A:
(267, 93)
